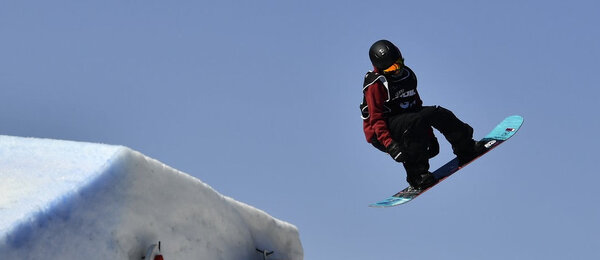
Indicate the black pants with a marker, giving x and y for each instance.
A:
(413, 131)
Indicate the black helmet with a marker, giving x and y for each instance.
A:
(383, 54)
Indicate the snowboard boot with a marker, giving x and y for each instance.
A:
(422, 181)
(468, 150)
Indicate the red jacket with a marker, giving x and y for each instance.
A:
(379, 105)
(376, 126)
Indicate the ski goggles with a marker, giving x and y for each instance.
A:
(397, 66)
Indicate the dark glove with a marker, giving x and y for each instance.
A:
(434, 147)
(395, 150)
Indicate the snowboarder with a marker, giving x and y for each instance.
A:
(396, 122)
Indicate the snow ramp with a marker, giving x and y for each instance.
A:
(75, 200)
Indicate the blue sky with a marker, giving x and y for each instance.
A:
(260, 100)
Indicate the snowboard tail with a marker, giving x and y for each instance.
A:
(502, 132)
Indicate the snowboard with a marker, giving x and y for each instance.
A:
(502, 132)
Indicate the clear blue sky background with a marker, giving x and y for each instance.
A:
(259, 99)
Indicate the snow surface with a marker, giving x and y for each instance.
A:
(77, 200)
